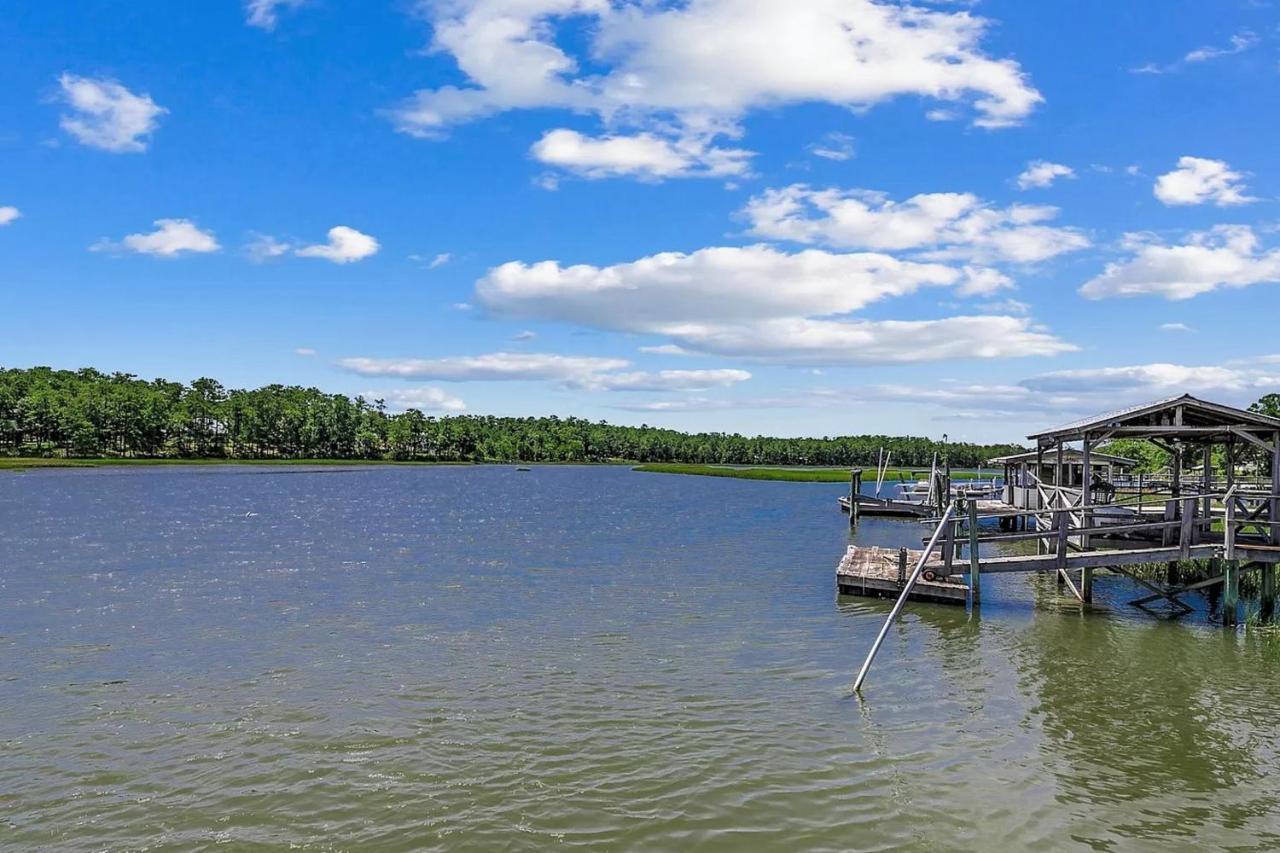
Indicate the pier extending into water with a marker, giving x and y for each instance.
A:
(1067, 510)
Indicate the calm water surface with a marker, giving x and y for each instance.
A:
(475, 659)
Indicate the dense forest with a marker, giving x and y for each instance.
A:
(85, 413)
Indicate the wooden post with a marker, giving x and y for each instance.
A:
(975, 562)
(902, 566)
(1057, 478)
(1275, 490)
(1206, 509)
(1230, 591)
(1140, 476)
(855, 495)
(1267, 592)
(948, 547)
(1086, 496)
(1063, 519)
(1086, 584)
(1186, 530)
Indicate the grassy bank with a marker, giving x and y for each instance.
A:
(792, 475)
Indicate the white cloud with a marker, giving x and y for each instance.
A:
(1042, 173)
(265, 14)
(664, 380)
(526, 335)
(8, 214)
(1197, 180)
(264, 247)
(496, 366)
(306, 352)
(834, 146)
(1148, 381)
(429, 399)
(106, 115)
(346, 245)
(588, 373)
(691, 72)
(1175, 327)
(1227, 256)
(948, 225)
(172, 238)
(439, 260)
(1240, 42)
(642, 155)
(757, 302)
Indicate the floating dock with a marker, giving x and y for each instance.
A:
(882, 573)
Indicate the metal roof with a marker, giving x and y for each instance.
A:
(1075, 456)
(1225, 416)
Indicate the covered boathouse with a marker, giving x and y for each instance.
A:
(1205, 510)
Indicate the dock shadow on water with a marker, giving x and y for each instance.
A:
(467, 658)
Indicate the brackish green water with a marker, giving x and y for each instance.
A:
(475, 659)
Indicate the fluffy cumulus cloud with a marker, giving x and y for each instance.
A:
(1042, 173)
(642, 155)
(8, 214)
(1152, 380)
(1228, 256)
(944, 225)
(590, 373)
(1201, 181)
(427, 399)
(690, 72)
(170, 239)
(106, 115)
(1065, 395)
(345, 246)
(265, 14)
(757, 302)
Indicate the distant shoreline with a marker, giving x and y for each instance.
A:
(797, 474)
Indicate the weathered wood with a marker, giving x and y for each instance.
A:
(1185, 531)
(1086, 584)
(876, 572)
(1267, 593)
(975, 561)
(1230, 592)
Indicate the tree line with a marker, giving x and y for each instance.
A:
(85, 413)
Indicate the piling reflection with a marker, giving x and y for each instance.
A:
(1149, 719)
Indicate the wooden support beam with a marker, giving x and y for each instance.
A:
(1186, 531)
(975, 561)
(1230, 592)
(1159, 593)
(1267, 592)
(1066, 578)
(1086, 585)
(1275, 489)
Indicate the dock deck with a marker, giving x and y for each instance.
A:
(880, 573)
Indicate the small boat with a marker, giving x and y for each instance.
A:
(523, 468)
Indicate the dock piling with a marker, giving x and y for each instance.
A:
(975, 563)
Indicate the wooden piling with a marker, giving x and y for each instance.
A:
(975, 563)
(1230, 591)
(1267, 592)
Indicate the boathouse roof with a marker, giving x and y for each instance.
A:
(1184, 417)
(1075, 457)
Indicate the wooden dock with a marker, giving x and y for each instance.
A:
(882, 573)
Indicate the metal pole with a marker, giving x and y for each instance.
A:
(902, 598)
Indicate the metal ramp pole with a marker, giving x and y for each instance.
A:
(902, 598)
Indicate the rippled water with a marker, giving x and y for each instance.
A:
(471, 658)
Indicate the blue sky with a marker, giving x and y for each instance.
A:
(802, 217)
